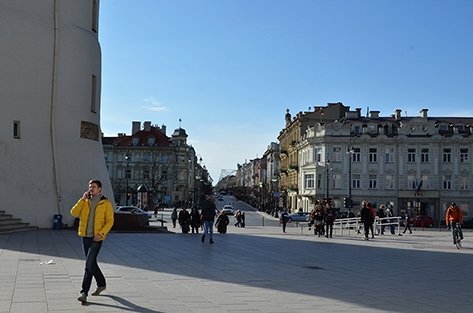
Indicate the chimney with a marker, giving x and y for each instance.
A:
(374, 114)
(358, 112)
(136, 127)
(147, 126)
(163, 129)
(398, 114)
(423, 113)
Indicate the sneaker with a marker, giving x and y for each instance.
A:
(82, 298)
(202, 238)
(98, 291)
(211, 241)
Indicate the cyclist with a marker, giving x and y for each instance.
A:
(454, 215)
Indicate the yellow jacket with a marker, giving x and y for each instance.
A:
(103, 220)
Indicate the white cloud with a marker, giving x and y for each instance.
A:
(154, 105)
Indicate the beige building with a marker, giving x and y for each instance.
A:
(416, 163)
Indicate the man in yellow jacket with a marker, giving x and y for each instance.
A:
(96, 219)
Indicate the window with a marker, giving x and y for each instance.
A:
(389, 155)
(146, 173)
(309, 181)
(16, 129)
(372, 182)
(319, 181)
(356, 155)
(93, 100)
(411, 182)
(464, 183)
(424, 155)
(424, 182)
(151, 141)
(356, 181)
(135, 141)
(411, 155)
(318, 155)
(463, 155)
(447, 182)
(127, 173)
(95, 16)
(146, 157)
(389, 181)
(373, 155)
(337, 181)
(356, 129)
(337, 154)
(447, 155)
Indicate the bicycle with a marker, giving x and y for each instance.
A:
(457, 235)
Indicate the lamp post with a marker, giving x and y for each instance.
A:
(127, 173)
(350, 153)
(327, 194)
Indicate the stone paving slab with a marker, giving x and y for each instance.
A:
(252, 269)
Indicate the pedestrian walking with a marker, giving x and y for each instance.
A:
(319, 219)
(96, 217)
(184, 219)
(195, 220)
(408, 222)
(207, 216)
(222, 222)
(174, 217)
(367, 218)
(329, 219)
(238, 217)
(373, 215)
(284, 219)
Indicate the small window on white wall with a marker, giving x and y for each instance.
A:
(93, 100)
(16, 129)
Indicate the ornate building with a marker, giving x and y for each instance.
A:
(419, 163)
(148, 168)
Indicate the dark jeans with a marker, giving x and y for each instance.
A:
(328, 230)
(367, 227)
(91, 250)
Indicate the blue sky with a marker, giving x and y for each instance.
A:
(230, 68)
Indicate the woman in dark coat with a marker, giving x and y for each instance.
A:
(222, 223)
(195, 220)
(367, 218)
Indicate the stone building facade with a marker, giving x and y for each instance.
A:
(415, 163)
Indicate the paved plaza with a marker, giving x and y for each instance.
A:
(252, 269)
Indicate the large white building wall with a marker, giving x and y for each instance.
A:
(49, 54)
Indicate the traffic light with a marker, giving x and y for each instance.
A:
(347, 202)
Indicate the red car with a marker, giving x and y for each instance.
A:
(422, 221)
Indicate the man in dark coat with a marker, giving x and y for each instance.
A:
(208, 213)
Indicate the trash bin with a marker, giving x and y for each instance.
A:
(57, 223)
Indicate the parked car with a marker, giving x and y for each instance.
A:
(132, 210)
(299, 217)
(422, 221)
(466, 224)
(228, 209)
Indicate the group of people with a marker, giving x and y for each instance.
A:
(322, 218)
(96, 218)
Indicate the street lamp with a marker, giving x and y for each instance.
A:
(127, 174)
(350, 153)
(327, 165)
